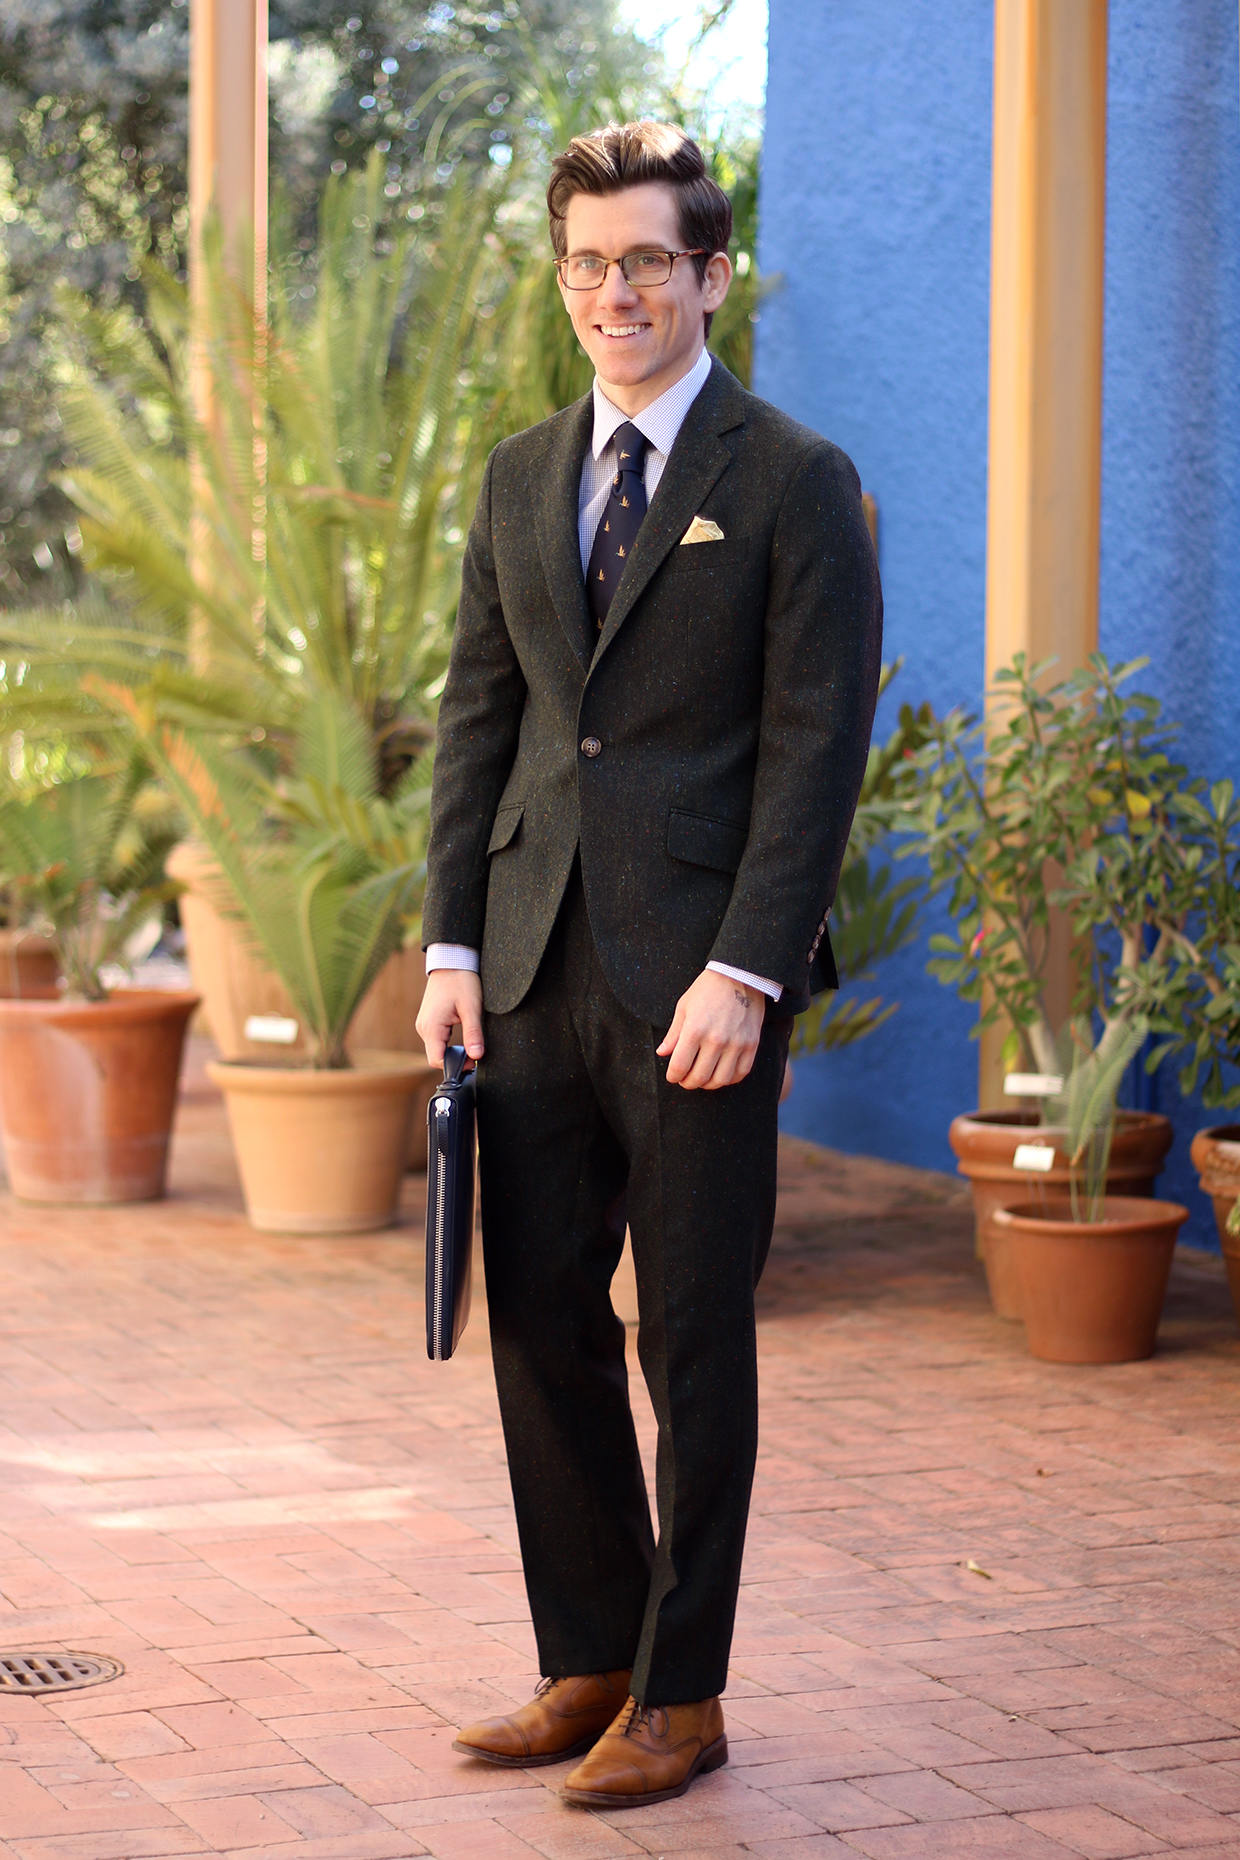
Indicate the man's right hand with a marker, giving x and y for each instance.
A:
(452, 995)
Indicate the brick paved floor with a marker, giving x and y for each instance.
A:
(225, 1461)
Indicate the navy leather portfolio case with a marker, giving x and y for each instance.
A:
(451, 1177)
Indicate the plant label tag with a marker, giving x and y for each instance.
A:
(1037, 1157)
(271, 1029)
(1032, 1085)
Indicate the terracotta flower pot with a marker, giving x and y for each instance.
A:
(321, 1152)
(235, 983)
(1216, 1157)
(87, 1093)
(985, 1143)
(29, 966)
(1092, 1291)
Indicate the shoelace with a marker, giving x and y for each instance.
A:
(641, 1718)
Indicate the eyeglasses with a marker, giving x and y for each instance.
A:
(586, 272)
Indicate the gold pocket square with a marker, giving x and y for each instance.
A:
(702, 530)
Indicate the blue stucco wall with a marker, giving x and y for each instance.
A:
(875, 211)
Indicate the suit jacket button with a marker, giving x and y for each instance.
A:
(590, 746)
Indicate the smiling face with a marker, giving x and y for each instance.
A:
(639, 340)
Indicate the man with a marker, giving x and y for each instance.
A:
(650, 745)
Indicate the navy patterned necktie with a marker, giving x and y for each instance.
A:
(619, 523)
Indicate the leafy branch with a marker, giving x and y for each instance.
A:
(1071, 798)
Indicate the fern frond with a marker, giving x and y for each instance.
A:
(334, 747)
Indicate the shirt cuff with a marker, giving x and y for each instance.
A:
(461, 956)
(773, 989)
(451, 956)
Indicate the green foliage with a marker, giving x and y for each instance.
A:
(93, 175)
(1072, 799)
(323, 547)
(1170, 861)
(1085, 1107)
(305, 538)
(321, 869)
(309, 537)
(873, 917)
(875, 914)
(734, 164)
(85, 855)
(93, 169)
(335, 485)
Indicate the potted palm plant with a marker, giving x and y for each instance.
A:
(320, 871)
(88, 1077)
(361, 379)
(1072, 799)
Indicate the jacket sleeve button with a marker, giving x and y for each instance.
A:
(590, 746)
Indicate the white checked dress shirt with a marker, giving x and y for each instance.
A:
(661, 421)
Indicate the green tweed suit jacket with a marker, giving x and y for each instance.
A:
(705, 758)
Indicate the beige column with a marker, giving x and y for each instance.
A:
(1047, 223)
(227, 177)
(228, 125)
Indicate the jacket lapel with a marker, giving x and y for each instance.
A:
(698, 458)
(556, 523)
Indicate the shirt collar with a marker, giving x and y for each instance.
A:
(661, 420)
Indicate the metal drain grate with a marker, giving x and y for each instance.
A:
(55, 1672)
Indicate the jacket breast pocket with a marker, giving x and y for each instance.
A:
(697, 839)
(725, 553)
(504, 831)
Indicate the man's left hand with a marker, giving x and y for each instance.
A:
(714, 1033)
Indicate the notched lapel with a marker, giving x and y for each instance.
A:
(697, 461)
(556, 523)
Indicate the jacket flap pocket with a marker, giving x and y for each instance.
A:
(699, 840)
(507, 820)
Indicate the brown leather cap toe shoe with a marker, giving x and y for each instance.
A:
(650, 1754)
(561, 1720)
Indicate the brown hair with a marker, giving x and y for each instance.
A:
(631, 155)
